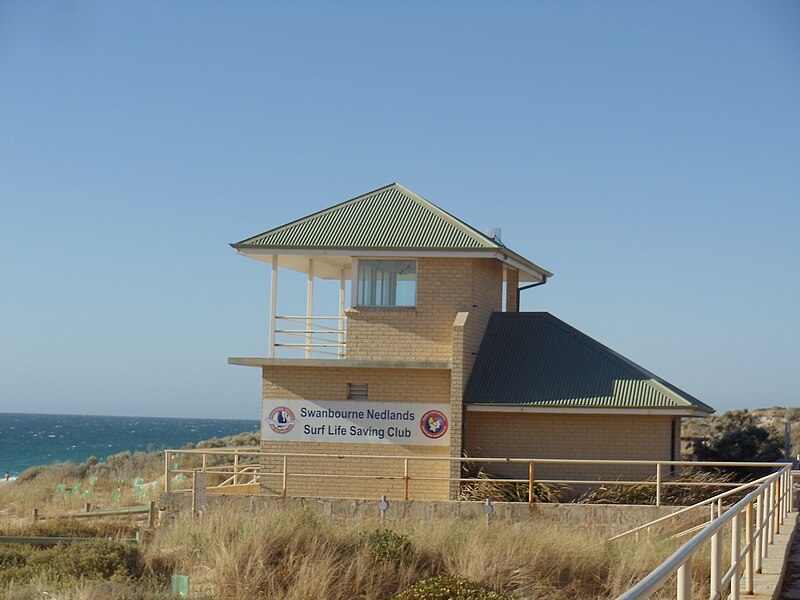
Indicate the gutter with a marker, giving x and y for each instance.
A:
(527, 287)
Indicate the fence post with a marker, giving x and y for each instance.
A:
(199, 483)
(35, 515)
(284, 475)
(685, 580)
(716, 564)
(236, 467)
(771, 522)
(167, 471)
(530, 482)
(782, 489)
(782, 485)
(735, 580)
(658, 484)
(151, 514)
(748, 535)
(787, 492)
(776, 502)
(405, 479)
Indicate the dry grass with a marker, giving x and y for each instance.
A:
(297, 555)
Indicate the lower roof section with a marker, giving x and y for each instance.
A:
(536, 360)
(335, 363)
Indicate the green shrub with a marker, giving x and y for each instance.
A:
(748, 444)
(387, 546)
(449, 587)
(95, 560)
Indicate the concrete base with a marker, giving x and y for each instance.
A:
(769, 583)
(615, 518)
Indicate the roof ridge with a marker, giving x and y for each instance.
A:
(466, 227)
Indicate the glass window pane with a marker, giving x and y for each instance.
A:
(387, 282)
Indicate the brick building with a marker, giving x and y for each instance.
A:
(428, 356)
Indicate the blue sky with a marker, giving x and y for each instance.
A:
(646, 153)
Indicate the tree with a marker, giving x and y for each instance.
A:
(748, 444)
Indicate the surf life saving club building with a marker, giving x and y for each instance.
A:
(428, 356)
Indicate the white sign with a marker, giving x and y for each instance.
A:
(349, 422)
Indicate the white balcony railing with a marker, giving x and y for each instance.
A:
(313, 335)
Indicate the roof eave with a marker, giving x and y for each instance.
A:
(502, 254)
(677, 411)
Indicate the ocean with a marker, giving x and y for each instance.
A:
(27, 440)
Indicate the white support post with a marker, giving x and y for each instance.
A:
(685, 580)
(354, 282)
(341, 313)
(781, 489)
(761, 540)
(736, 579)
(716, 564)
(785, 494)
(310, 308)
(749, 563)
(273, 307)
(770, 517)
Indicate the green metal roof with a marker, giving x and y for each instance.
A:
(389, 218)
(535, 359)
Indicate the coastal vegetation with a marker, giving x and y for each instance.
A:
(296, 554)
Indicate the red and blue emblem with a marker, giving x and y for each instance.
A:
(281, 420)
(433, 424)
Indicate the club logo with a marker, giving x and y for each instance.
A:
(281, 420)
(433, 424)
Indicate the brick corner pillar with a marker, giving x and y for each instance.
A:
(512, 285)
(458, 381)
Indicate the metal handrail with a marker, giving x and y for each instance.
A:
(248, 451)
(739, 487)
(659, 483)
(772, 501)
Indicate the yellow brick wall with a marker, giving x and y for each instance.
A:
(512, 285)
(467, 332)
(550, 435)
(445, 287)
(385, 385)
(330, 383)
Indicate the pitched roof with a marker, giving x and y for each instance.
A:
(535, 359)
(389, 218)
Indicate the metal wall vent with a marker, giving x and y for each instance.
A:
(357, 391)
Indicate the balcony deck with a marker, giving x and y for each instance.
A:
(262, 361)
